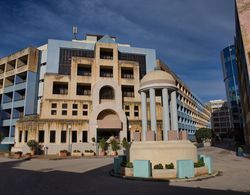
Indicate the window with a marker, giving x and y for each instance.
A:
(64, 112)
(60, 88)
(106, 71)
(74, 136)
(53, 112)
(74, 106)
(83, 89)
(64, 106)
(64, 109)
(127, 91)
(107, 92)
(63, 136)
(84, 136)
(20, 136)
(74, 109)
(52, 137)
(85, 106)
(84, 70)
(127, 73)
(26, 136)
(74, 112)
(127, 110)
(85, 110)
(41, 136)
(136, 111)
(106, 53)
(127, 113)
(85, 113)
(66, 55)
(126, 107)
(53, 105)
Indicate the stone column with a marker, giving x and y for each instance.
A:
(174, 116)
(152, 110)
(144, 115)
(166, 122)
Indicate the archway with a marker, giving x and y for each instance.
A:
(108, 124)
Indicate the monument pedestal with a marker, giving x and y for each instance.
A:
(163, 152)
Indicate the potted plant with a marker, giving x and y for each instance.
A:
(28, 155)
(168, 173)
(76, 153)
(18, 154)
(93, 139)
(103, 145)
(89, 153)
(200, 168)
(63, 153)
(33, 145)
(114, 147)
(127, 169)
(125, 144)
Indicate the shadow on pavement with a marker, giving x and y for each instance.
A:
(98, 181)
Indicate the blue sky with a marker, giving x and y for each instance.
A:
(188, 35)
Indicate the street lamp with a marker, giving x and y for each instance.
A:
(69, 147)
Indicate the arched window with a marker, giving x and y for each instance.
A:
(107, 92)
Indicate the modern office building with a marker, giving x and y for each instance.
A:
(18, 80)
(230, 74)
(242, 43)
(220, 118)
(88, 89)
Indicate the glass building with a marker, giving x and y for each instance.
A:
(230, 75)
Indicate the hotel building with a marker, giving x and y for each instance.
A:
(242, 43)
(83, 90)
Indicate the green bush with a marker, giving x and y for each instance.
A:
(169, 166)
(33, 145)
(203, 134)
(129, 165)
(103, 144)
(114, 145)
(125, 144)
(200, 163)
(158, 166)
(77, 151)
(64, 151)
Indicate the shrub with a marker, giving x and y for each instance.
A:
(64, 151)
(77, 151)
(202, 134)
(125, 144)
(91, 151)
(33, 145)
(103, 144)
(200, 163)
(93, 139)
(169, 166)
(129, 165)
(19, 152)
(158, 166)
(114, 145)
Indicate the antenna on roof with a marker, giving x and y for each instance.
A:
(74, 30)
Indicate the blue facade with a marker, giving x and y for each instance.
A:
(230, 75)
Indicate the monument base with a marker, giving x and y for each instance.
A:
(163, 152)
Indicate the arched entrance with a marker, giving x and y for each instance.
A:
(108, 124)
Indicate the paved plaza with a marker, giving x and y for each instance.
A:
(91, 176)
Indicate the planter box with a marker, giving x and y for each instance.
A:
(127, 171)
(89, 154)
(198, 171)
(164, 173)
(63, 154)
(76, 154)
(18, 156)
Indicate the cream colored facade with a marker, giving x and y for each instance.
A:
(99, 98)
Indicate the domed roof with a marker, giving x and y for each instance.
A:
(157, 79)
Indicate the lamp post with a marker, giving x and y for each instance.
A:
(69, 147)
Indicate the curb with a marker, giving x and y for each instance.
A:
(215, 173)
